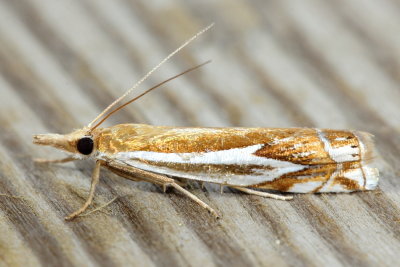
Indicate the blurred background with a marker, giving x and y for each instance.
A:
(308, 63)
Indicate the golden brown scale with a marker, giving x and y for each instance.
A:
(140, 137)
(296, 145)
(316, 173)
(347, 183)
(340, 138)
(305, 148)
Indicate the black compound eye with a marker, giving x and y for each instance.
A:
(85, 145)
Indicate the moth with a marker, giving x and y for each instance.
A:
(297, 160)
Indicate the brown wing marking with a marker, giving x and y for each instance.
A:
(140, 137)
(305, 150)
(315, 173)
(211, 169)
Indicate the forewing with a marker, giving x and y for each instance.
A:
(288, 159)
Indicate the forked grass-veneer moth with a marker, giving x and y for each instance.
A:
(298, 160)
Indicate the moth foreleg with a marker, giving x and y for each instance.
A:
(95, 181)
(262, 194)
(64, 160)
(164, 181)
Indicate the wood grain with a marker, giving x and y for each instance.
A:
(327, 64)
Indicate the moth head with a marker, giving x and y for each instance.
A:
(80, 142)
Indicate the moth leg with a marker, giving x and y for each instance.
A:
(95, 181)
(202, 185)
(68, 159)
(164, 181)
(125, 174)
(181, 181)
(135, 174)
(195, 199)
(262, 194)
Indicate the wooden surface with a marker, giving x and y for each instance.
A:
(315, 63)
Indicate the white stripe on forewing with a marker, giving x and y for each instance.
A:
(308, 187)
(238, 156)
(322, 138)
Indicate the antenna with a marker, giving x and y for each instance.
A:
(147, 91)
(148, 74)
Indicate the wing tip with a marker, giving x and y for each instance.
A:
(369, 155)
